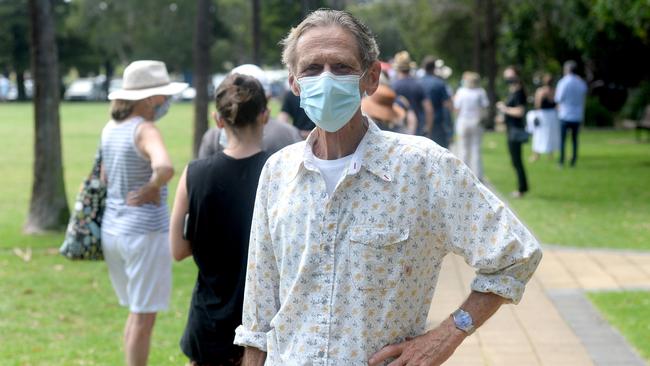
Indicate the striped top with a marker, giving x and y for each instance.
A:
(127, 170)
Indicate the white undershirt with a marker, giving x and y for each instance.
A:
(332, 170)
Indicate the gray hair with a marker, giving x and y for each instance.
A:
(570, 66)
(368, 51)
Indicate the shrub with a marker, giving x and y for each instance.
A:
(636, 102)
(596, 115)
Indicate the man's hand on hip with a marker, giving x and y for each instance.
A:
(430, 349)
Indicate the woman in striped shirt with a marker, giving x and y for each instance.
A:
(135, 225)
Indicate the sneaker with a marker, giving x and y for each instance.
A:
(517, 194)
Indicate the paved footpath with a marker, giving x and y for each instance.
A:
(554, 324)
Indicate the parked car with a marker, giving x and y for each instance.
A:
(12, 93)
(279, 82)
(85, 89)
(115, 84)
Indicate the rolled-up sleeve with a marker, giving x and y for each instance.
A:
(487, 234)
(261, 301)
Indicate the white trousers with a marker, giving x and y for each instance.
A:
(469, 133)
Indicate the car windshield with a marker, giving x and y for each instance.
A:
(81, 86)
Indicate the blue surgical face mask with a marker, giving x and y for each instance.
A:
(223, 139)
(330, 100)
(160, 110)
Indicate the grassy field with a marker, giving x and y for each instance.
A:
(630, 313)
(57, 312)
(603, 202)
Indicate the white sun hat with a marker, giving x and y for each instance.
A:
(256, 72)
(145, 78)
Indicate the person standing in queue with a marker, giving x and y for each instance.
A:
(136, 168)
(350, 227)
(211, 222)
(514, 110)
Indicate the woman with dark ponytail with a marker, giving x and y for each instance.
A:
(211, 221)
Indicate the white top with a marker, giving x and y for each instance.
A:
(332, 280)
(470, 102)
(332, 170)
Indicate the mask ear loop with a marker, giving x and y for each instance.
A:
(365, 93)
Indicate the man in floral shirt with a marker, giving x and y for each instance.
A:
(350, 227)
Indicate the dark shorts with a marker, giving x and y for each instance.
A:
(234, 358)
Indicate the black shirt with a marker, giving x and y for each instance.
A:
(516, 99)
(291, 106)
(221, 193)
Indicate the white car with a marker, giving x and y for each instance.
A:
(85, 89)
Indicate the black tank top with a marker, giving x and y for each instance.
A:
(547, 103)
(221, 192)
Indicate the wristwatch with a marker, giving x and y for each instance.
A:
(463, 321)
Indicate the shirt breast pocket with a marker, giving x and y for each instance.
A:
(376, 256)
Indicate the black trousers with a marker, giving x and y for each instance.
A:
(575, 128)
(515, 157)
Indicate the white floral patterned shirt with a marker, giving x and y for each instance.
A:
(333, 279)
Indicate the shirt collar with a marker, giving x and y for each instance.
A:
(371, 154)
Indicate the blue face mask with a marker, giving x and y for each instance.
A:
(160, 110)
(330, 100)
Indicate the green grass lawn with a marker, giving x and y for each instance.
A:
(630, 313)
(57, 312)
(603, 202)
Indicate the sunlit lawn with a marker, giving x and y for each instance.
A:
(630, 313)
(603, 202)
(57, 312)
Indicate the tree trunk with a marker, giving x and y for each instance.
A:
(305, 7)
(48, 208)
(20, 54)
(478, 32)
(110, 71)
(202, 43)
(20, 84)
(490, 54)
(337, 4)
(256, 32)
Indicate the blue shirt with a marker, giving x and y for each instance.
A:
(412, 90)
(436, 89)
(570, 96)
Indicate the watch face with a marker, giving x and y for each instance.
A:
(463, 320)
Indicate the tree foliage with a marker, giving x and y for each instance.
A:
(610, 39)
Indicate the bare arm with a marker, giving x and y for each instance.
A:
(517, 112)
(149, 142)
(540, 93)
(180, 248)
(437, 345)
(253, 357)
(411, 122)
(428, 115)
